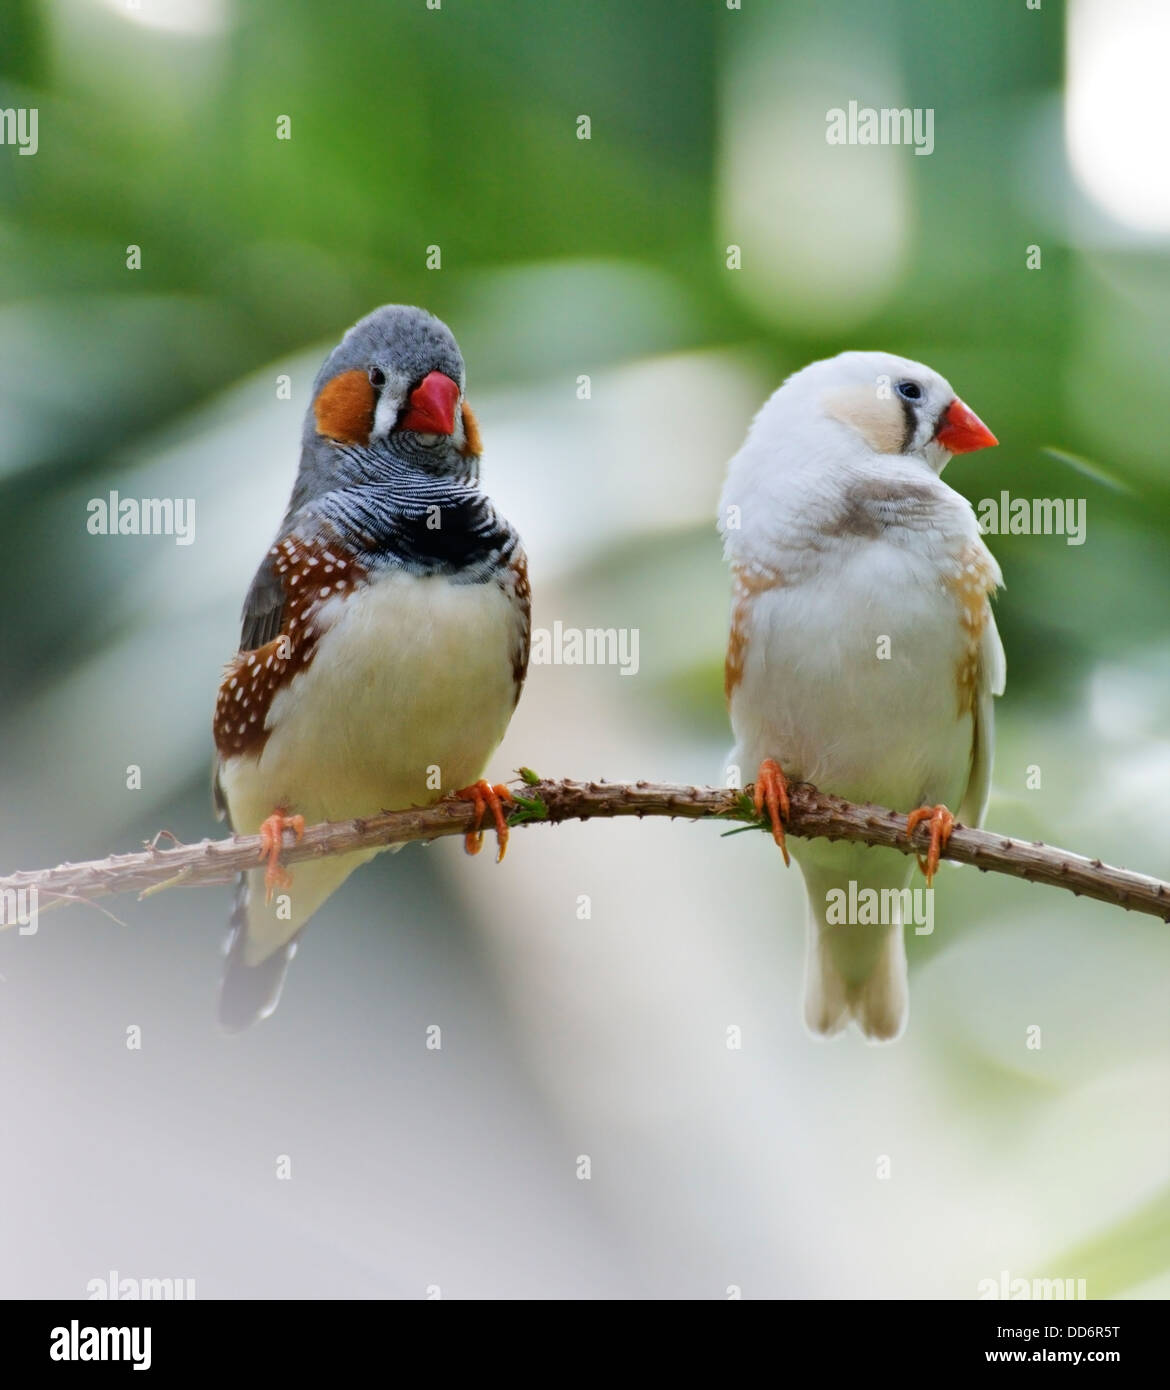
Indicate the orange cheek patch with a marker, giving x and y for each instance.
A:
(472, 443)
(344, 408)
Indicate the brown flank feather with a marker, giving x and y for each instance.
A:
(310, 574)
(747, 584)
(516, 580)
(971, 585)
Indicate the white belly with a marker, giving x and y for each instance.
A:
(409, 693)
(850, 682)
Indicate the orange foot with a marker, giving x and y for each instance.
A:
(772, 790)
(484, 797)
(941, 825)
(271, 839)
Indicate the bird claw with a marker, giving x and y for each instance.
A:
(941, 824)
(271, 838)
(771, 790)
(483, 797)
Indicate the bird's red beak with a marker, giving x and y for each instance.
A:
(432, 406)
(963, 431)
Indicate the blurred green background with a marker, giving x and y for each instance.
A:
(561, 258)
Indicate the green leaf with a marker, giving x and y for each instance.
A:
(745, 809)
(528, 808)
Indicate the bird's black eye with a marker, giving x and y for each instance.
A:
(377, 377)
(909, 390)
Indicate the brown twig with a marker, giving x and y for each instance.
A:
(813, 815)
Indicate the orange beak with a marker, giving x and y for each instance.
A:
(963, 431)
(432, 406)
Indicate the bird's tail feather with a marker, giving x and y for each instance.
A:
(854, 970)
(247, 992)
(264, 934)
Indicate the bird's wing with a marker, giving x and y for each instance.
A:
(991, 680)
(218, 800)
(263, 608)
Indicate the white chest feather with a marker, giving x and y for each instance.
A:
(410, 690)
(849, 680)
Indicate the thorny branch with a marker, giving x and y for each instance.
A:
(546, 801)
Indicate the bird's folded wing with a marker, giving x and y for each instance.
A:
(263, 608)
(991, 680)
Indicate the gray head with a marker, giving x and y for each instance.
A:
(390, 392)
